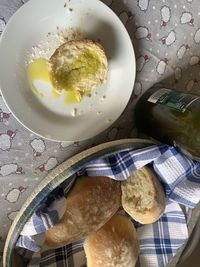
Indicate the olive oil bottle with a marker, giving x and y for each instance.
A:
(171, 117)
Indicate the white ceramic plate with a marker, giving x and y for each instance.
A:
(51, 119)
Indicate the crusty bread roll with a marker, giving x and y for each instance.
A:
(90, 204)
(78, 65)
(143, 197)
(113, 245)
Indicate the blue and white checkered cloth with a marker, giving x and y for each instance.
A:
(159, 241)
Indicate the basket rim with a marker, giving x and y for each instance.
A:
(56, 177)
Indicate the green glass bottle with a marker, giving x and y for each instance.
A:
(171, 117)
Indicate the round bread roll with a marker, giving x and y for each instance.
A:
(113, 245)
(91, 202)
(143, 197)
(78, 65)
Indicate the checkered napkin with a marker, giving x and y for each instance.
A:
(159, 241)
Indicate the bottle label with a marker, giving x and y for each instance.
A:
(172, 99)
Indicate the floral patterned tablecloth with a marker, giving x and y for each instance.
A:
(166, 39)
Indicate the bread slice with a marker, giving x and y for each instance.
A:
(143, 197)
(78, 65)
(113, 245)
(90, 204)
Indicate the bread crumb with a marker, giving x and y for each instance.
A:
(76, 143)
(46, 47)
(109, 253)
(74, 112)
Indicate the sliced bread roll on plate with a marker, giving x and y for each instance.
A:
(78, 65)
(143, 197)
(91, 202)
(113, 245)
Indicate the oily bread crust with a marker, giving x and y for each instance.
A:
(113, 245)
(90, 204)
(77, 45)
(153, 213)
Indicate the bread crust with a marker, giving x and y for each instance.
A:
(113, 245)
(90, 204)
(153, 213)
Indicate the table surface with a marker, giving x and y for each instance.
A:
(166, 37)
